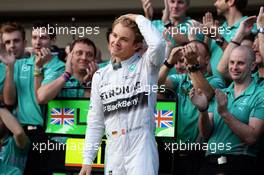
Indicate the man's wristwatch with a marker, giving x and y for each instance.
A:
(220, 41)
(168, 65)
(2, 104)
(261, 30)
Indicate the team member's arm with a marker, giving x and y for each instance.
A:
(260, 24)
(212, 27)
(205, 121)
(176, 53)
(165, 12)
(195, 74)
(50, 90)
(154, 40)
(148, 9)
(41, 57)
(243, 30)
(12, 124)
(95, 127)
(248, 133)
(9, 91)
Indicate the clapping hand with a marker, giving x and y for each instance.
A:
(6, 57)
(199, 99)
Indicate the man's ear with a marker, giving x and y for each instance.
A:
(207, 59)
(231, 3)
(138, 46)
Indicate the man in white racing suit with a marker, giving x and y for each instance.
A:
(123, 101)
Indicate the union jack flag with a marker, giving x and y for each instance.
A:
(163, 118)
(62, 116)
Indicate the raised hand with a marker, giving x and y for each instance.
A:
(198, 99)
(165, 12)
(148, 9)
(42, 57)
(6, 58)
(208, 20)
(221, 100)
(190, 53)
(92, 68)
(244, 28)
(86, 170)
(211, 24)
(175, 55)
(260, 19)
(193, 28)
(68, 65)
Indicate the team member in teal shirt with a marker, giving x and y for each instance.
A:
(80, 67)
(182, 84)
(174, 16)
(73, 83)
(13, 40)
(13, 149)
(187, 122)
(231, 10)
(234, 121)
(19, 86)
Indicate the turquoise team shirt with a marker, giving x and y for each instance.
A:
(248, 104)
(182, 28)
(13, 159)
(187, 127)
(2, 76)
(103, 64)
(77, 92)
(258, 79)
(217, 51)
(29, 112)
(260, 82)
(9, 170)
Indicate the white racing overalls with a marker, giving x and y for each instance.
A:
(122, 105)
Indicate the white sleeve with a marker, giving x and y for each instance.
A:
(95, 123)
(156, 44)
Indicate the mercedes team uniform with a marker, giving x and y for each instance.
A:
(122, 105)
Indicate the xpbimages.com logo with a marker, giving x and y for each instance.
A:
(183, 30)
(182, 146)
(56, 146)
(65, 30)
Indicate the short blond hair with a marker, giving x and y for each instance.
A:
(126, 22)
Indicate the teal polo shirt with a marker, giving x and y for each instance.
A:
(248, 104)
(216, 51)
(260, 82)
(2, 76)
(72, 88)
(258, 79)
(103, 64)
(182, 28)
(9, 170)
(29, 112)
(13, 158)
(187, 126)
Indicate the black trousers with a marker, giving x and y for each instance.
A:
(233, 165)
(37, 157)
(188, 162)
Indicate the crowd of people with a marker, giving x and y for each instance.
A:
(216, 69)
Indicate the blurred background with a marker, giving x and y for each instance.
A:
(89, 14)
